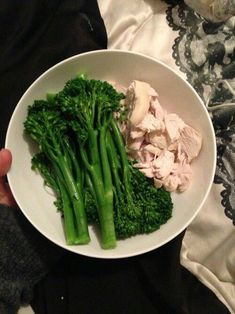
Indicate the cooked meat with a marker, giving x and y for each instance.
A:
(162, 143)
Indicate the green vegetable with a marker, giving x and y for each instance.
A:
(82, 158)
(139, 206)
(60, 168)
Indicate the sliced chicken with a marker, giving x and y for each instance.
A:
(162, 143)
(150, 124)
(156, 108)
(136, 132)
(170, 183)
(138, 97)
(156, 151)
(191, 142)
(157, 139)
(163, 164)
(174, 125)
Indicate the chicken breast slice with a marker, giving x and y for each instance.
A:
(150, 124)
(163, 164)
(191, 142)
(174, 124)
(157, 139)
(138, 97)
(157, 109)
(162, 143)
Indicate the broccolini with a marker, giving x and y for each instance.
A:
(82, 157)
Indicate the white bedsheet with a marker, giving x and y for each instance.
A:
(139, 26)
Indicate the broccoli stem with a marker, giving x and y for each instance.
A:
(102, 185)
(39, 162)
(120, 146)
(77, 201)
(94, 150)
(114, 163)
(63, 162)
(69, 228)
(108, 226)
(125, 168)
(90, 186)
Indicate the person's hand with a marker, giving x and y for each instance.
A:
(6, 197)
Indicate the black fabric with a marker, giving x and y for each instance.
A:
(34, 35)
(25, 257)
(153, 283)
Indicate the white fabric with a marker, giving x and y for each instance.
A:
(208, 246)
(26, 310)
(139, 26)
(208, 249)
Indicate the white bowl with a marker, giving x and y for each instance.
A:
(176, 95)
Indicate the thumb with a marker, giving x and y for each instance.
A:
(5, 164)
(5, 161)
(5, 194)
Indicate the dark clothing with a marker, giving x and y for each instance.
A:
(33, 269)
(25, 257)
(153, 283)
(35, 35)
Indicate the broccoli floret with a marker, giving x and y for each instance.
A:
(139, 206)
(49, 129)
(156, 204)
(89, 106)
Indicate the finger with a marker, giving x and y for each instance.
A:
(5, 161)
(6, 197)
